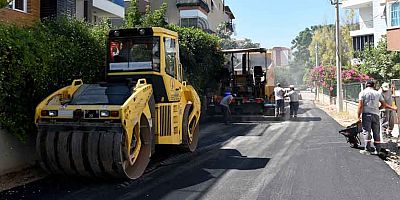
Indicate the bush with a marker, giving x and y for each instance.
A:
(200, 56)
(37, 61)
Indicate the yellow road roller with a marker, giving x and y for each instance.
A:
(110, 129)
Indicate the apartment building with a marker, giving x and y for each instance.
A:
(204, 14)
(281, 56)
(21, 12)
(393, 24)
(92, 11)
(371, 25)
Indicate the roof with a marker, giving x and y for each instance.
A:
(261, 50)
(229, 12)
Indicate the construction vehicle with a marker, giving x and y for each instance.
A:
(110, 129)
(249, 75)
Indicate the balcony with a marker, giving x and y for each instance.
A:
(108, 8)
(182, 4)
(356, 4)
(363, 28)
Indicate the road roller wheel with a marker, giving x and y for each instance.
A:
(137, 149)
(190, 132)
(96, 153)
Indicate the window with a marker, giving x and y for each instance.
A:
(20, 5)
(189, 22)
(170, 56)
(129, 54)
(360, 42)
(395, 14)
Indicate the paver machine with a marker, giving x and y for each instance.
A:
(249, 76)
(110, 129)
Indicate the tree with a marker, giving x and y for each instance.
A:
(132, 15)
(154, 18)
(4, 3)
(324, 37)
(227, 42)
(300, 46)
(379, 63)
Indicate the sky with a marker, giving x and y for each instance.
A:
(275, 23)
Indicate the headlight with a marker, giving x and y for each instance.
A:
(53, 113)
(104, 113)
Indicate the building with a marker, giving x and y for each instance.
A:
(393, 24)
(371, 21)
(92, 11)
(21, 12)
(204, 14)
(281, 56)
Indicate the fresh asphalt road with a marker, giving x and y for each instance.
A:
(304, 158)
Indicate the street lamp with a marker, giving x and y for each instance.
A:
(339, 95)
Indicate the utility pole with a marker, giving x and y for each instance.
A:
(316, 54)
(339, 95)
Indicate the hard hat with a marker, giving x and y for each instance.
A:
(370, 83)
(291, 86)
(385, 86)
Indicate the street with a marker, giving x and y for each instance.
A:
(303, 158)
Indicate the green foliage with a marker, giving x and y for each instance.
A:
(200, 57)
(36, 61)
(227, 42)
(4, 3)
(300, 45)
(132, 15)
(379, 63)
(156, 18)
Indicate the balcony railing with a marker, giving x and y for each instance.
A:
(118, 2)
(190, 3)
(361, 26)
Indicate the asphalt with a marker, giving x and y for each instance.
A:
(303, 158)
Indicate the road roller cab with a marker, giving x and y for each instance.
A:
(110, 129)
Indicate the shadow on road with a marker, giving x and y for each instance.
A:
(305, 119)
(197, 178)
(162, 178)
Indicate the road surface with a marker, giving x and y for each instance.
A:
(302, 159)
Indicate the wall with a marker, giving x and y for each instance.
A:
(173, 16)
(15, 155)
(379, 19)
(393, 39)
(20, 18)
(216, 15)
(365, 17)
(348, 106)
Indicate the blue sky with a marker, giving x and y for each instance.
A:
(277, 22)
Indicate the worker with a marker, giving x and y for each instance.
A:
(388, 115)
(294, 101)
(368, 112)
(225, 106)
(279, 100)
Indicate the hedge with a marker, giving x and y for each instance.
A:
(200, 56)
(37, 61)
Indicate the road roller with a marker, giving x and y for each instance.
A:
(110, 129)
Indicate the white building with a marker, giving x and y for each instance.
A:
(371, 19)
(393, 21)
(92, 11)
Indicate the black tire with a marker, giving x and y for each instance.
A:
(189, 143)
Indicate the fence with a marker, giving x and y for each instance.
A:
(326, 91)
(351, 91)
